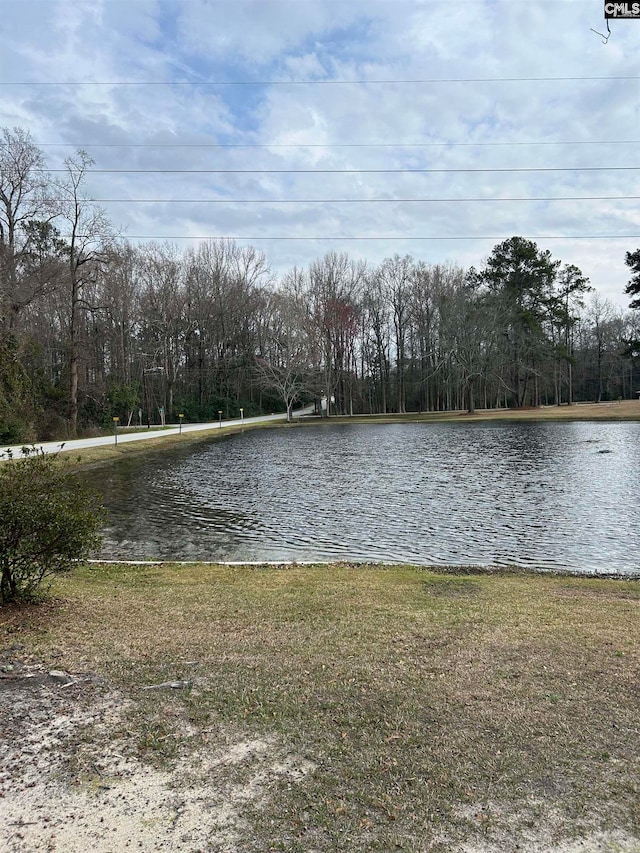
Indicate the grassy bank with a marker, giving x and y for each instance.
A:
(627, 410)
(124, 450)
(356, 708)
(623, 410)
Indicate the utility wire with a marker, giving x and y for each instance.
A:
(226, 83)
(377, 237)
(341, 171)
(232, 145)
(348, 200)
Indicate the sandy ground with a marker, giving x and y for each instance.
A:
(67, 783)
(60, 791)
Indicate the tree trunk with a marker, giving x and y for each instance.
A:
(570, 384)
(471, 408)
(73, 358)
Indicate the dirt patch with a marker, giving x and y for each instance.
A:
(68, 784)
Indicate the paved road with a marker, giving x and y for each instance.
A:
(144, 434)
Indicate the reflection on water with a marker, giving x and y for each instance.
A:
(531, 494)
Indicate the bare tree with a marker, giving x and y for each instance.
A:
(396, 275)
(89, 235)
(376, 342)
(564, 309)
(335, 291)
(286, 362)
(602, 315)
(423, 326)
(225, 294)
(23, 202)
(164, 315)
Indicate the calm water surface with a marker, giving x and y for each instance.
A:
(540, 495)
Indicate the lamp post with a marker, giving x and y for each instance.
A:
(115, 431)
(220, 418)
(242, 415)
(180, 430)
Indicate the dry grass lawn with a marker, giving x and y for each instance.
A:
(328, 708)
(622, 410)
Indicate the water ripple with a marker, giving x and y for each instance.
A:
(528, 494)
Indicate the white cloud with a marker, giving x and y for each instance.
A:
(255, 31)
(150, 41)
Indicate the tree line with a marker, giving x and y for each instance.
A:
(93, 327)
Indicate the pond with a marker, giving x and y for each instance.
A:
(536, 495)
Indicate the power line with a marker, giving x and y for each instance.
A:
(350, 200)
(377, 237)
(342, 171)
(384, 82)
(232, 145)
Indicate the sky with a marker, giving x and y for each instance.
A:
(434, 128)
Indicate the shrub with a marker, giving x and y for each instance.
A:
(48, 521)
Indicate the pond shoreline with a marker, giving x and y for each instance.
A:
(625, 410)
(455, 570)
